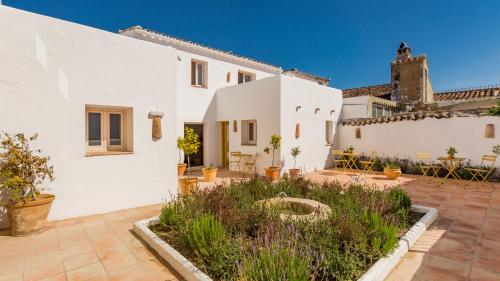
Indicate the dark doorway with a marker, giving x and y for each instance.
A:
(197, 158)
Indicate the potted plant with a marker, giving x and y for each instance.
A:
(294, 173)
(189, 145)
(350, 149)
(496, 149)
(273, 172)
(21, 171)
(392, 170)
(181, 167)
(451, 152)
(209, 173)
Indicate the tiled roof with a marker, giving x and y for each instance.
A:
(194, 44)
(375, 90)
(313, 76)
(466, 94)
(411, 116)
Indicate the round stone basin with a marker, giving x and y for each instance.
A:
(300, 208)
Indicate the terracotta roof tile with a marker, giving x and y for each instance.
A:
(375, 90)
(456, 95)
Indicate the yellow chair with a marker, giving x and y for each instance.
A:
(428, 168)
(482, 173)
(368, 164)
(249, 164)
(338, 158)
(235, 161)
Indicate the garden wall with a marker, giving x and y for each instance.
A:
(50, 69)
(403, 139)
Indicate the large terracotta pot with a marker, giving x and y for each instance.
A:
(209, 174)
(294, 173)
(30, 217)
(273, 173)
(392, 174)
(451, 156)
(188, 186)
(181, 168)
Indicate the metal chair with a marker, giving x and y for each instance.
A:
(428, 168)
(482, 173)
(368, 164)
(338, 158)
(234, 161)
(249, 164)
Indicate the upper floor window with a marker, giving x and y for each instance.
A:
(199, 73)
(106, 129)
(244, 77)
(379, 111)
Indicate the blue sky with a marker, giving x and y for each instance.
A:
(352, 42)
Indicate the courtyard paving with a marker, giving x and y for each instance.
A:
(463, 243)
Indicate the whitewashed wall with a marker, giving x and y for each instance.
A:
(312, 141)
(49, 70)
(355, 107)
(404, 139)
(257, 100)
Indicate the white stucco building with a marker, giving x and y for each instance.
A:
(90, 95)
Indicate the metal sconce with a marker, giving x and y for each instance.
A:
(358, 133)
(228, 77)
(316, 110)
(297, 108)
(297, 130)
(332, 111)
(156, 133)
(489, 131)
(235, 126)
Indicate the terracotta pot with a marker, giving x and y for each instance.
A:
(209, 174)
(451, 156)
(294, 173)
(30, 217)
(273, 173)
(188, 186)
(181, 168)
(392, 174)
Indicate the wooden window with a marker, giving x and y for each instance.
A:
(249, 132)
(329, 132)
(199, 74)
(244, 77)
(106, 130)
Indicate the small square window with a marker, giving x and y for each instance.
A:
(199, 73)
(249, 132)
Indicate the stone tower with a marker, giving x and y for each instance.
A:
(411, 86)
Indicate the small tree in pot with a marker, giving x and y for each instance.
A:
(181, 167)
(21, 171)
(392, 170)
(189, 145)
(273, 171)
(294, 173)
(451, 152)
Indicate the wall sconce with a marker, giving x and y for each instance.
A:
(297, 108)
(358, 133)
(228, 77)
(297, 130)
(156, 133)
(316, 110)
(235, 126)
(332, 111)
(489, 131)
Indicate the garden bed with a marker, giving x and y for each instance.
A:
(224, 234)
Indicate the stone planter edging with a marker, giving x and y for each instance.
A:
(381, 269)
(378, 272)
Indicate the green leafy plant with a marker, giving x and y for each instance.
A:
(22, 169)
(496, 149)
(204, 234)
(180, 142)
(350, 148)
(295, 152)
(275, 144)
(211, 167)
(401, 203)
(189, 145)
(494, 111)
(392, 165)
(451, 151)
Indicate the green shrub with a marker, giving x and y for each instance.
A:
(204, 234)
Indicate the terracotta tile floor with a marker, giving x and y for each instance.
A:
(463, 243)
(100, 247)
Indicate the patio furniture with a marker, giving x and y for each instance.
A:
(452, 164)
(368, 164)
(248, 163)
(428, 168)
(235, 161)
(482, 173)
(351, 158)
(338, 158)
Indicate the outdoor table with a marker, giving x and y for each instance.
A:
(451, 164)
(350, 158)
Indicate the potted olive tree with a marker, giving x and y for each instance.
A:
(451, 152)
(392, 170)
(22, 170)
(273, 172)
(181, 167)
(294, 173)
(209, 173)
(189, 145)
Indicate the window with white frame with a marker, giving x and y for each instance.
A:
(379, 111)
(106, 129)
(199, 73)
(244, 77)
(249, 132)
(329, 132)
